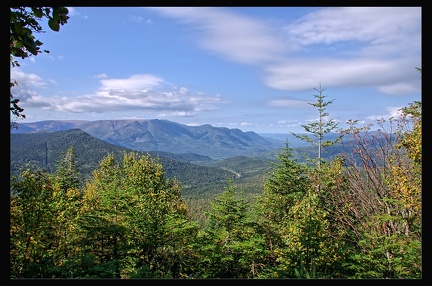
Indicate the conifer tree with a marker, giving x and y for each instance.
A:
(66, 203)
(286, 186)
(229, 246)
(322, 127)
(67, 173)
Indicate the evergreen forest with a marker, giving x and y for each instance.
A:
(356, 215)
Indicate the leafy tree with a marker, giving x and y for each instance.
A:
(30, 219)
(385, 199)
(316, 241)
(295, 223)
(44, 212)
(134, 221)
(66, 202)
(23, 24)
(305, 235)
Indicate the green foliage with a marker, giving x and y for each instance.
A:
(134, 215)
(308, 248)
(322, 127)
(29, 221)
(200, 183)
(229, 247)
(130, 220)
(67, 171)
(23, 43)
(286, 186)
(412, 138)
(43, 219)
(386, 255)
(287, 183)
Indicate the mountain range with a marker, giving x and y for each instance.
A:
(44, 150)
(203, 158)
(164, 135)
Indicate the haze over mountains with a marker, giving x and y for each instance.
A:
(203, 158)
(168, 136)
(201, 177)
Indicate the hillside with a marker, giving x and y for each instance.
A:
(44, 149)
(165, 136)
(202, 177)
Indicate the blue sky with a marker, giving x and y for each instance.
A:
(252, 68)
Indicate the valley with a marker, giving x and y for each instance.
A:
(247, 157)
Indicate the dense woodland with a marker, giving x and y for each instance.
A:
(357, 215)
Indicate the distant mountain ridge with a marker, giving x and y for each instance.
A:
(44, 150)
(164, 135)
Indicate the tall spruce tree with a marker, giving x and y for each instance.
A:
(286, 186)
(229, 246)
(322, 127)
(67, 173)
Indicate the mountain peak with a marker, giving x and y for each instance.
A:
(164, 135)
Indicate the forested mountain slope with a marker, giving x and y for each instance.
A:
(44, 149)
(164, 135)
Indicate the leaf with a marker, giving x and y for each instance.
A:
(30, 45)
(54, 24)
(38, 13)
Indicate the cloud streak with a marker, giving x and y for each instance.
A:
(229, 35)
(359, 50)
(379, 46)
(142, 92)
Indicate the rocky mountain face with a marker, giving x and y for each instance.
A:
(164, 135)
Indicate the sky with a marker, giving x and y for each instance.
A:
(252, 68)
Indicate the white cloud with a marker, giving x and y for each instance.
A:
(374, 25)
(400, 88)
(337, 46)
(25, 80)
(139, 81)
(393, 112)
(303, 74)
(101, 76)
(289, 123)
(229, 35)
(288, 103)
(72, 11)
(75, 12)
(139, 20)
(138, 92)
